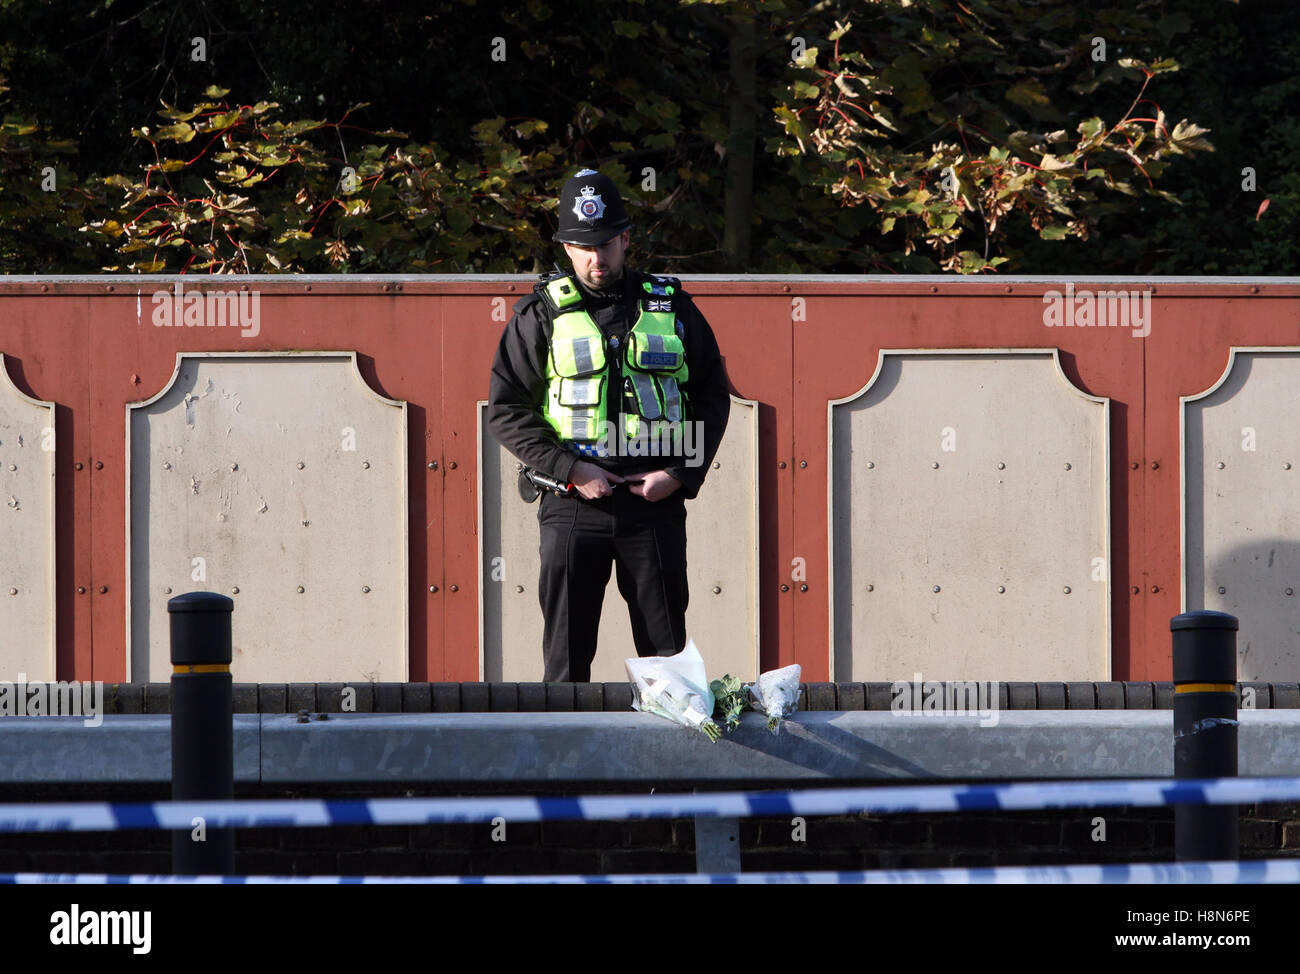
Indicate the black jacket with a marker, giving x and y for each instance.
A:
(518, 387)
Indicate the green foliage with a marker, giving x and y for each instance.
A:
(42, 201)
(730, 701)
(261, 195)
(952, 145)
(897, 136)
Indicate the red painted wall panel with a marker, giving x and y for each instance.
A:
(90, 346)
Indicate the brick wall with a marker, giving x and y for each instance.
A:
(846, 842)
(280, 698)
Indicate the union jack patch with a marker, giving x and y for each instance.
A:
(659, 306)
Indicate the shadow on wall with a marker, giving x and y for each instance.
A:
(1259, 583)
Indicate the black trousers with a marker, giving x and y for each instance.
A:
(580, 540)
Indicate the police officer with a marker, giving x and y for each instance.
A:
(609, 379)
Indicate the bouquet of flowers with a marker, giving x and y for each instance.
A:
(674, 687)
(776, 693)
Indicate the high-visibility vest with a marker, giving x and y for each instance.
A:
(650, 369)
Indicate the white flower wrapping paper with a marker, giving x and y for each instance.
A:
(675, 687)
(776, 693)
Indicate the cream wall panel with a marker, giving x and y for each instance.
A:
(27, 445)
(1037, 526)
(1241, 503)
(264, 472)
(722, 552)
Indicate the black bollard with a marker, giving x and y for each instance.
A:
(1205, 729)
(203, 735)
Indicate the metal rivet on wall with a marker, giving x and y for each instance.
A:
(717, 590)
(365, 589)
(301, 590)
(1222, 590)
(455, 588)
(1066, 590)
(1001, 589)
(935, 589)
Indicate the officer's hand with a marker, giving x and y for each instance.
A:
(592, 481)
(656, 485)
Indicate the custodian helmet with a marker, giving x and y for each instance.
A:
(591, 211)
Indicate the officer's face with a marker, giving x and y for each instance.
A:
(596, 267)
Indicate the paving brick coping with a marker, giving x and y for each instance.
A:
(280, 698)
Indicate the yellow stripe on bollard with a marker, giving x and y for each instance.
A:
(1205, 688)
(203, 668)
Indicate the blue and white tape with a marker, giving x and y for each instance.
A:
(1256, 871)
(308, 813)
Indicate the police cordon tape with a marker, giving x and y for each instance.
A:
(309, 812)
(1255, 871)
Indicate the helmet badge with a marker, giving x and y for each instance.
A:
(588, 207)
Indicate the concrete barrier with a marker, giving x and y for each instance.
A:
(635, 749)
